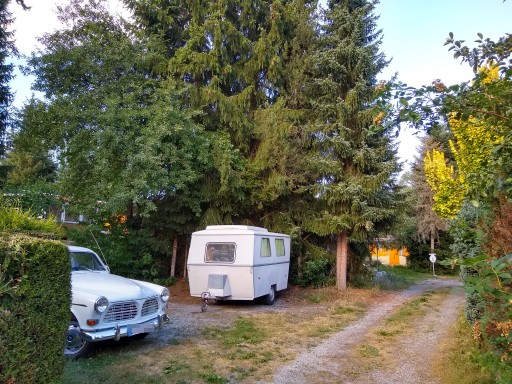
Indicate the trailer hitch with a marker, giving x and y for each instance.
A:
(205, 296)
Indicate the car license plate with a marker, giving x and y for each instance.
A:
(136, 329)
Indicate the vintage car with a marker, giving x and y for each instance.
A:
(105, 306)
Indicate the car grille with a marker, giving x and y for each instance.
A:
(150, 306)
(121, 311)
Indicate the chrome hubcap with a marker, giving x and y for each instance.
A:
(73, 337)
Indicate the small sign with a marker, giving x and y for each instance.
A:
(432, 257)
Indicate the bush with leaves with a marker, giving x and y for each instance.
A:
(129, 253)
(35, 296)
(492, 280)
(317, 273)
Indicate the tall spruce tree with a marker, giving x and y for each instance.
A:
(277, 164)
(355, 159)
(167, 19)
(234, 67)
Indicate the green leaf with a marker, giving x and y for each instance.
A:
(469, 289)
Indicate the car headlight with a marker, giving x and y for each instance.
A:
(101, 304)
(164, 295)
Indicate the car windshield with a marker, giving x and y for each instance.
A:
(86, 261)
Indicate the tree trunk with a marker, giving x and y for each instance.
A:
(432, 239)
(341, 260)
(174, 252)
(299, 266)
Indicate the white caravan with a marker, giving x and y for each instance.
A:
(238, 262)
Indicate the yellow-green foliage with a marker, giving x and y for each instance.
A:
(13, 219)
(473, 144)
(448, 187)
(472, 147)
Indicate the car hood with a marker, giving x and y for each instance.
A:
(113, 287)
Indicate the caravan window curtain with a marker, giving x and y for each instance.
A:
(265, 247)
(280, 247)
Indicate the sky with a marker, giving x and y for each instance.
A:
(414, 32)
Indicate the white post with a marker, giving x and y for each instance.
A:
(433, 261)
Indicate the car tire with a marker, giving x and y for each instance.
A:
(270, 298)
(76, 346)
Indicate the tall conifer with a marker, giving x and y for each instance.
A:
(355, 160)
(278, 165)
(234, 67)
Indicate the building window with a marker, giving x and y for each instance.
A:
(265, 247)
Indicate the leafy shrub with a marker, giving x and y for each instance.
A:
(128, 253)
(362, 277)
(34, 308)
(13, 219)
(317, 273)
(34, 297)
(33, 197)
(492, 282)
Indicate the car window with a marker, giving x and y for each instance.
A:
(85, 261)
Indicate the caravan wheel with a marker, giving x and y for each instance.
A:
(270, 298)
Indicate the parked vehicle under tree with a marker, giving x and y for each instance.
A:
(105, 306)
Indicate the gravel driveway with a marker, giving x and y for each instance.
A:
(326, 363)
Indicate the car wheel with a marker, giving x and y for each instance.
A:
(270, 298)
(76, 345)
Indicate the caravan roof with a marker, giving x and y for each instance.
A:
(221, 230)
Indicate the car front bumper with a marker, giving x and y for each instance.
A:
(118, 331)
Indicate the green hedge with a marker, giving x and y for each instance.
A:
(34, 308)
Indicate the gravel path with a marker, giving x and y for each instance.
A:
(326, 362)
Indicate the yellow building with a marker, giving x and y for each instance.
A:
(389, 255)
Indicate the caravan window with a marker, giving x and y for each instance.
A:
(280, 247)
(220, 253)
(265, 247)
